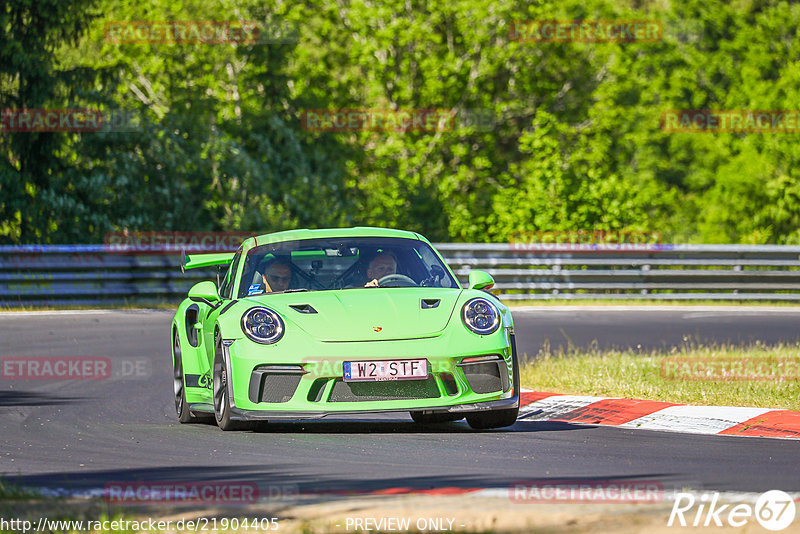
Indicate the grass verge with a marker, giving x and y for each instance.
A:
(12, 492)
(716, 375)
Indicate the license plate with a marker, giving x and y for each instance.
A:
(385, 370)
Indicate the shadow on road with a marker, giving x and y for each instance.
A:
(373, 426)
(26, 398)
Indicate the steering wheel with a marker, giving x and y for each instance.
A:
(389, 278)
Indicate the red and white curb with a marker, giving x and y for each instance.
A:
(658, 415)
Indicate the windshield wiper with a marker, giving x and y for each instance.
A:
(298, 290)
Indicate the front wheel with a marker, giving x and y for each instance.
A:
(178, 387)
(222, 407)
(493, 418)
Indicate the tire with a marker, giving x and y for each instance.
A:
(493, 418)
(178, 385)
(435, 418)
(222, 408)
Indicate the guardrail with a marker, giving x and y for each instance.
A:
(36, 275)
(675, 272)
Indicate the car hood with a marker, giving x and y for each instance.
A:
(367, 314)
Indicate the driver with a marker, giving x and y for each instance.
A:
(382, 264)
(277, 276)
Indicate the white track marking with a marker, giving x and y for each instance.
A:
(696, 419)
(668, 496)
(555, 407)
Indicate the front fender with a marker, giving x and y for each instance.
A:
(196, 369)
(229, 320)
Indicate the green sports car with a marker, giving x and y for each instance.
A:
(312, 323)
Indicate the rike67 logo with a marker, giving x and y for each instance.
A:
(774, 510)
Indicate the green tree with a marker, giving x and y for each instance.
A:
(34, 193)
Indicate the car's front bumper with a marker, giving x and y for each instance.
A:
(311, 385)
(261, 415)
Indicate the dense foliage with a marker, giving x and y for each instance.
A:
(571, 137)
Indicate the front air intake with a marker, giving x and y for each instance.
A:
(274, 383)
(485, 374)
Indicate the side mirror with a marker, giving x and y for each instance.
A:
(480, 280)
(204, 292)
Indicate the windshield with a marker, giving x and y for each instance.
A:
(336, 263)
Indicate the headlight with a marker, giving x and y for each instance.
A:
(480, 316)
(262, 325)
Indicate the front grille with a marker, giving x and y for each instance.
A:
(379, 391)
(485, 377)
(279, 388)
(266, 386)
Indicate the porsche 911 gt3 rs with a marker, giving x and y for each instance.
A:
(313, 323)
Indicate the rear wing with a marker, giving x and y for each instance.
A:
(193, 261)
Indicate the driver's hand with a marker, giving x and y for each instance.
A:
(372, 283)
(267, 288)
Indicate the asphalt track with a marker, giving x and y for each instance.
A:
(81, 435)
